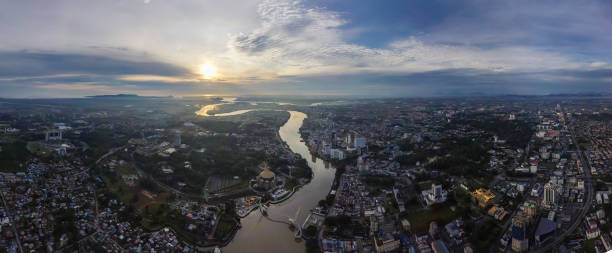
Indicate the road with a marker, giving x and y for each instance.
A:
(110, 152)
(588, 185)
(10, 215)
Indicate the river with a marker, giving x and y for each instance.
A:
(258, 234)
(231, 100)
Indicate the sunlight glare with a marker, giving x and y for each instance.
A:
(208, 71)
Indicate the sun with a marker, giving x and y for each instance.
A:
(208, 71)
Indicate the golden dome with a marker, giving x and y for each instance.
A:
(267, 174)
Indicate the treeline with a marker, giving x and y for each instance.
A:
(466, 157)
(465, 151)
(516, 133)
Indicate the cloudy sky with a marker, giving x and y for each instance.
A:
(76, 48)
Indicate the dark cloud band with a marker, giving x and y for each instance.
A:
(26, 64)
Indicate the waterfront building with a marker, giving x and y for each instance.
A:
(266, 179)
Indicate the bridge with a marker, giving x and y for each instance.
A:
(291, 221)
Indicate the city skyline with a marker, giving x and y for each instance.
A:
(395, 48)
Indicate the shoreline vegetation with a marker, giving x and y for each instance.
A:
(295, 188)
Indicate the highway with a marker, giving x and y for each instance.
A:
(588, 185)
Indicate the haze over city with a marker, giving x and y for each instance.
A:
(376, 48)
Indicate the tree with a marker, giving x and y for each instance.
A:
(134, 199)
(310, 231)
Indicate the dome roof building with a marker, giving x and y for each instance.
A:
(267, 174)
(266, 178)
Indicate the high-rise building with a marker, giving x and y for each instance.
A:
(177, 140)
(520, 242)
(354, 141)
(529, 208)
(350, 141)
(360, 142)
(333, 140)
(550, 195)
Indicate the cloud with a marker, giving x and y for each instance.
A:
(26, 64)
(36, 74)
(296, 40)
(447, 82)
(366, 47)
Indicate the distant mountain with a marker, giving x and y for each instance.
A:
(113, 96)
(125, 96)
(582, 94)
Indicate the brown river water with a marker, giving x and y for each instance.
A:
(258, 234)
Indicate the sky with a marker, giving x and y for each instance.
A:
(398, 48)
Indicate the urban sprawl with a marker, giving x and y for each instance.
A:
(157, 174)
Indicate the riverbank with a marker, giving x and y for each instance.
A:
(258, 234)
(246, 213)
